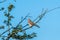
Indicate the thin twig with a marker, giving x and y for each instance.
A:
(41, 16)
(16, 26)
(36, 21)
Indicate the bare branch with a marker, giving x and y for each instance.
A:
(43, 14)
(40, 17)
(17, 24)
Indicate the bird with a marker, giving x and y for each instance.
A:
(31, 23)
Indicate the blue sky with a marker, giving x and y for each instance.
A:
(50, 24)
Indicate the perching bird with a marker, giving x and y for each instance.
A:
(32, 23)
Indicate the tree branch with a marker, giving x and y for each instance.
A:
(17, 24)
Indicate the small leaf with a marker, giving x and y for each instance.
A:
(5, 14)
(1, 27)
(9, 19)
(11, 16)
(20, 28)
(8, 15)
(15, 31)
(32, 35)
(10, 7)
(5, 21)
(2, 8)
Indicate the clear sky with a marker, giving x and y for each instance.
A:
(50, 24)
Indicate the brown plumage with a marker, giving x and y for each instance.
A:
(32, 23)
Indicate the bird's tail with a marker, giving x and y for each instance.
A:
(37, 26)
